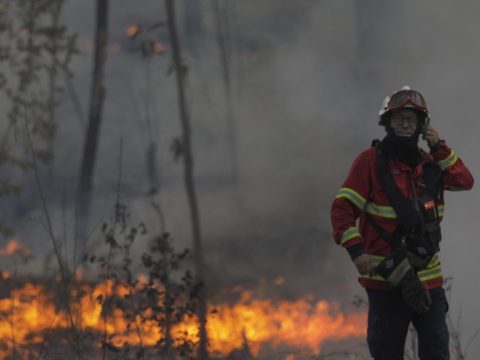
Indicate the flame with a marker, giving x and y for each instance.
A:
(159, 48)
(31, 312)
(13, 248)
(132, 30)
(299, 324)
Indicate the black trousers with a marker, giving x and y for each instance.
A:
(388, 321)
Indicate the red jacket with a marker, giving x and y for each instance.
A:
(362, 193)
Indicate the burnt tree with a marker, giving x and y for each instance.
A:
(187, 156)
(97, 97)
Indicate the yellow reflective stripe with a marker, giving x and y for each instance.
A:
(434, 262)
(432, 271)
(448, 161)
(380, 210)
(423, 275)
(429, 274)
(350, 194)
(441, 210)
(388, 212)
(374, 277)
(349, 234)
(376, 259)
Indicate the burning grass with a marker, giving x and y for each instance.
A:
(32, 323)
(117, 314)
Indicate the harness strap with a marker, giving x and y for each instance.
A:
(406, 212)
(410, 217)
(395, 239)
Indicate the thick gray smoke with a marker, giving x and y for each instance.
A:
(308, 78)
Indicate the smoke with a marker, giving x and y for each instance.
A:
(308, 79)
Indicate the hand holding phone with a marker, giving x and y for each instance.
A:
(431, 135)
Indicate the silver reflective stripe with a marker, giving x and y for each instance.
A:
(397, 275)
(380, 210)
(432, 271)
(349, 234)
(349, 194)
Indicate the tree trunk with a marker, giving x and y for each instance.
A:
(97, 97)
(193, 26)
(222, 29)
(188, 177)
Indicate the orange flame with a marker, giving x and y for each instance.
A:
(159, 48)
(132, 30)
(30, 312)
(13, 247)
(299, 324)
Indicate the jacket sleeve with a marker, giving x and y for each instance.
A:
(348, 205)
(456, 175)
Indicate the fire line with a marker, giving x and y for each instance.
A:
(30, 312)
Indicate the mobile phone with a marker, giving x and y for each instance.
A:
(425, 127)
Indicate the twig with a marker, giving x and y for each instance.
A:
(43, 350)
(455, 335)
(12, 324)
(110, 251)
(470, 341)
(50, 231)
(63, 270)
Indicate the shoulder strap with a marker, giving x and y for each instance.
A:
(432, 177)
(407, 214)
(394, 239)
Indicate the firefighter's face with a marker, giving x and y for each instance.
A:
(404, 122)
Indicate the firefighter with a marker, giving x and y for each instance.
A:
(395, 190)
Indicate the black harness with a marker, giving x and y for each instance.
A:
(418, 231)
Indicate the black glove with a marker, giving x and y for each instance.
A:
(398, 271)
(414, 293)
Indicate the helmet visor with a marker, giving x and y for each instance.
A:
(403, 97)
